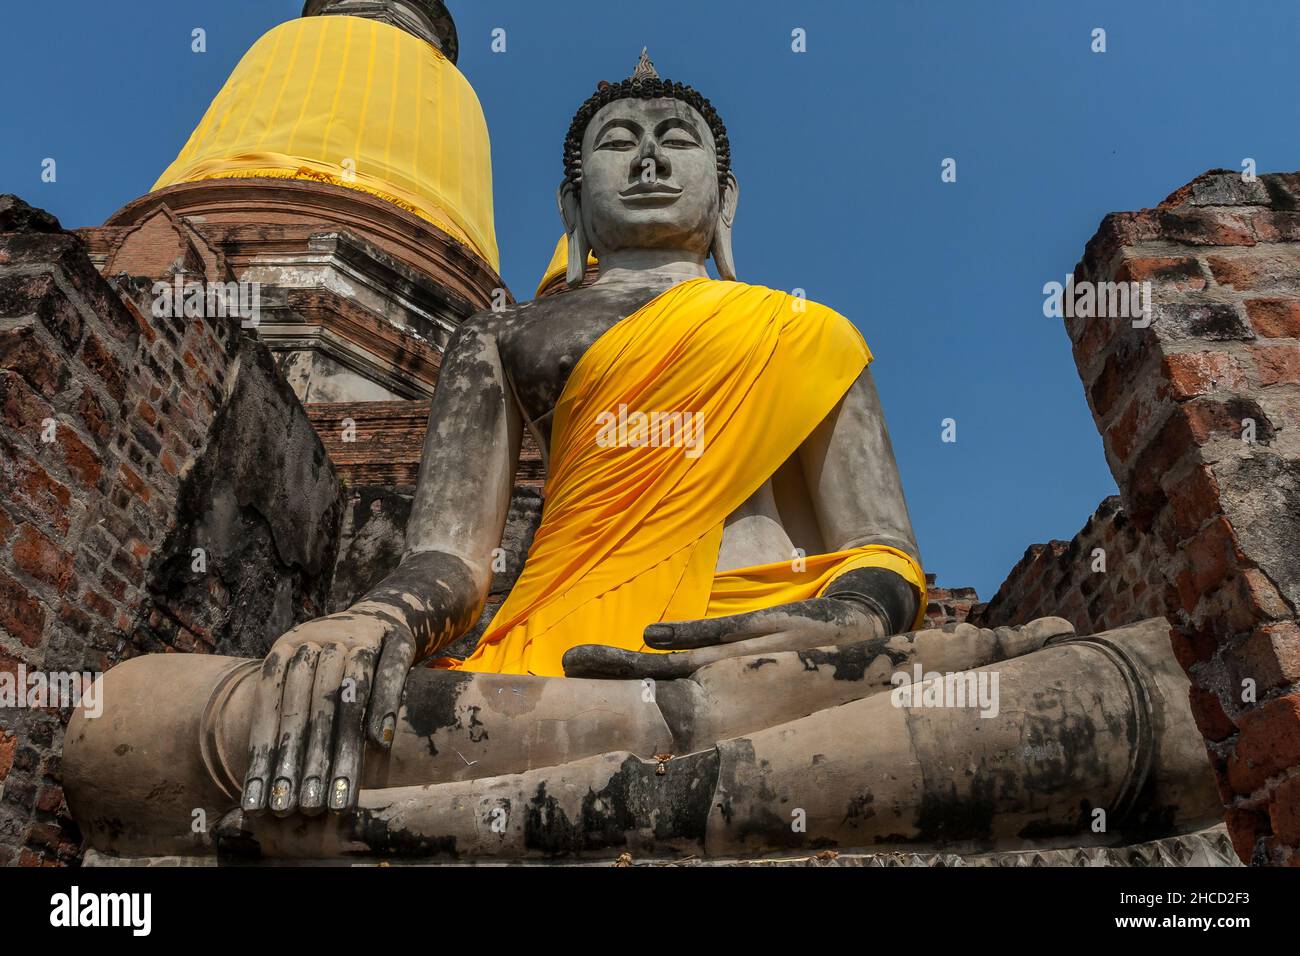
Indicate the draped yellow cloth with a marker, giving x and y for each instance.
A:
(631, 527)
(358, 104)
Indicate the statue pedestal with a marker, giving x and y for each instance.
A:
(1205, 848)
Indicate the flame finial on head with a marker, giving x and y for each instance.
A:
(645, 69)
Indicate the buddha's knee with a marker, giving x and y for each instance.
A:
(155, 772)
(1087, 739)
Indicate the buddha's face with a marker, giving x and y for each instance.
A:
(649, 177)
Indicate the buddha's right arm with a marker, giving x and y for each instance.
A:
(462, 498)
(356, 661)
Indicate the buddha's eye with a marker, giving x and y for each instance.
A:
(618, 144)
(678, 142)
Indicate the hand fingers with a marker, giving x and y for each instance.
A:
(320, 733)
(354, 695)
(684, 635)
(803, 640)
(265, 727)
(295, 708)
(390, 679)
(614, 663)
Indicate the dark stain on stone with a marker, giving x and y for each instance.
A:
(270, 538)
(674, 806)
(860, 809)
(431, 705)
(235, 844)
(850, 661)
(751, 818)
(1278, 195)
(945, 816)
(383, 838)
(1047, 830)
(477, 729)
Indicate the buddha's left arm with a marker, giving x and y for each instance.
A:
(857, 496)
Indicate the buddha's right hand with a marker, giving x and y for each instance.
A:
(323, 688)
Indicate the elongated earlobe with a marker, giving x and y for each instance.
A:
(579, 247)
(723, 256)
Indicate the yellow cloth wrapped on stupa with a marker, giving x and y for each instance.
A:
(358, 104)
(631, 527)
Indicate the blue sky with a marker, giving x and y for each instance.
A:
(838, 151)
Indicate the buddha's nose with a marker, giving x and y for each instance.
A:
(652, 162)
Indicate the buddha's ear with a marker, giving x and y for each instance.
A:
(579, 247)
(729, 198)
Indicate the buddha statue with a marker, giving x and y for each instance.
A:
(702, 654)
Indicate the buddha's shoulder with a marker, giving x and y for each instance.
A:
(797, 296)
(578, 307)
(818, 317)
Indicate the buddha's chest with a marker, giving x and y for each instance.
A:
(539, 363)
(540, 354)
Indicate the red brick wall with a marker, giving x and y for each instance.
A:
(132, 401)
(1223, 515)
(387, 441)
(1066, 578)
(948, 605)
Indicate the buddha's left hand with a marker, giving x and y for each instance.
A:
(819, 622)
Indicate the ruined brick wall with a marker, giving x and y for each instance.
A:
(381, 443)
(116, 437)
(1106, 576)
(1200, 416)
(949, 605)
(81, 514)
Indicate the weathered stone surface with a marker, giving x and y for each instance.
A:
(1204, 448)
(1205, 848)
(17, 216)
(521, 523)
(169, 434)
(371, 541)
(263, 506)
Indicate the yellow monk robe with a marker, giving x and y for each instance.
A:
(630, 535)
(358, 104)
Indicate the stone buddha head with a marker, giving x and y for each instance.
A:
(648, 167)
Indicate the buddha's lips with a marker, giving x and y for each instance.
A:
(650, 193)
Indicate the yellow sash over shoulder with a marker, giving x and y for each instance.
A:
(668, 423)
